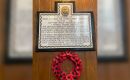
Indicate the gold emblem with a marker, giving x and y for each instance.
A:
(65, 10)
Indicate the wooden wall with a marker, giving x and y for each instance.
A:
(106, 71)
(2, 18)
(42, 60)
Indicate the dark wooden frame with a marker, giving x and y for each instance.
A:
(63, 49)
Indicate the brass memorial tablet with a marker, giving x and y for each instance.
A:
(65, 29)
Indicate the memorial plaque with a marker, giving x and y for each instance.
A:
(112, 47)
(65, 29)
(19, 31)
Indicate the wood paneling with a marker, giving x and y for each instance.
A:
(2, 10)
(18, 72)
(106, 71)
(42, 60)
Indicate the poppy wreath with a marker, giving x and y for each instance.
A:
(76, 70)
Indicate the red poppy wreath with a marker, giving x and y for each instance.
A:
(74, 74)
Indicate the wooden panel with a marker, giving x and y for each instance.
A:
(18, 72)
(42, 60)
(2, 10)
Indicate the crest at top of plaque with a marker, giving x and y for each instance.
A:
(66, 9)
(65, 29)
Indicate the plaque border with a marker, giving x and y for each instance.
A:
(63, 49)
(7, 59)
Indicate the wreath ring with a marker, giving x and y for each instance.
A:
(76, 70)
